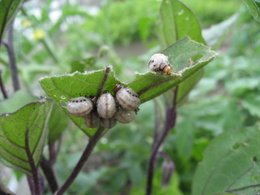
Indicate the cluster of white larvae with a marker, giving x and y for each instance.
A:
(106, 109)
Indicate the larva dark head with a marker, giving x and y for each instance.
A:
(167, 70)
(117, 88)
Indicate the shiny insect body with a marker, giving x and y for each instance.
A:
(106, 106)
(80, 106)
(160, 63)
(124, 116)
(127, 98)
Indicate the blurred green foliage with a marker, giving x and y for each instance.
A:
(213, 11)
(225, 99)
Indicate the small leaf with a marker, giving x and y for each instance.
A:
(254, 9)
(7, 11)
(63, 88)
(150, 85)
(177, 22)
(231, 164)
(27, 123)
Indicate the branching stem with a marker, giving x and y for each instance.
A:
(47, 169)
(169, 124)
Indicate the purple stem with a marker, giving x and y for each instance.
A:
(84, 157)
(11, 55)
(169, 124)
(2, 86)
(35, 175)
(48, 172)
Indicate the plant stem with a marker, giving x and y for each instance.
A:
(49, 50)
(103, 81)
(35, 175)
(30, 184)
(2, 86)
(169, 124)
(84, 157)
(12, 60)
(49, 174)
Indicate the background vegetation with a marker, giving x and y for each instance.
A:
(58, 36)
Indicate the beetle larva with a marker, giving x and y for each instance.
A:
(106, 106)
(80, 106)
(124, 116)
(108, 123)
(127, 99)
(160, 63)
(92, 120)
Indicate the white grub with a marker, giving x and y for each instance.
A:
(79, 106)
(106, 106)
(107, 123)
(124, 116)
(160, 63)
(92, 120)
(127, 99)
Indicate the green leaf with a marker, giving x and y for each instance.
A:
(150, 85)
(82, 65)
(57, 123)
(231, 164)
(251, 102)
(253, 8)
(29, 122)
(19, 99)
(177, 22)
(63, 88)
(8, 10)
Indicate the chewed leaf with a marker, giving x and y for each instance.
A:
(177, 21)
(65, 87)
(23, 132)
(186, 57)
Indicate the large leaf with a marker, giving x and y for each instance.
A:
(231, 164)
(8, 8)
(63, 88)
(177, 22)
(23, 135)
(254, 8)
(150, 85)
